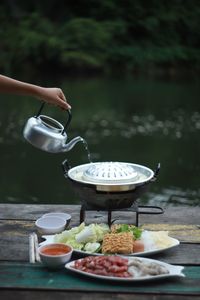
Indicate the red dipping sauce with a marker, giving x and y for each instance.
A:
(56, 250)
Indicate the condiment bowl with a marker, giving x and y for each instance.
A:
(50, 225)
(55, 254)
(63, 215)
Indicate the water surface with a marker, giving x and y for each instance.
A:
(133, 120)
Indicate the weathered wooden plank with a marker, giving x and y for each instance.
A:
(184, 233)
(52, 295)
(34, 211)
(174, 215)
(27, 276)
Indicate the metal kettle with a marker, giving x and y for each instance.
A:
(48, 134)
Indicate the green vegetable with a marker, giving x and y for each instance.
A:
(83, 237)
(136, 231)
(67, 235)
(92, 247)
(100, 231)
(88, 234)
(75, 245)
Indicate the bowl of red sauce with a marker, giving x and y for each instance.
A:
(55, 254)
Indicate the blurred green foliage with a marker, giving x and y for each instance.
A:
(99, 35)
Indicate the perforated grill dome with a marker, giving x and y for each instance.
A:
(108, 172)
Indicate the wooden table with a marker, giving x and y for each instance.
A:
(21, 280)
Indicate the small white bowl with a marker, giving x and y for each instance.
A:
(65, 216)
(50, 225)
(55, 254)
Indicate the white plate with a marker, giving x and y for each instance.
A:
(174, 243)
(174, 271)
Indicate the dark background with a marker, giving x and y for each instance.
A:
(85, 36)
(130, 70)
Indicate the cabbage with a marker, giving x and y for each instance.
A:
(86, 235)
(100, 231)
(92, 233)
(92, 247)
(81, 235)
(75, 245)
(77, 229)
(64, 236)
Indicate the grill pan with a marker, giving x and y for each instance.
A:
(109, 185)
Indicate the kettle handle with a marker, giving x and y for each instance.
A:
(66, 167)
(68, 120)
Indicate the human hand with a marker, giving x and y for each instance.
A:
(54, 96)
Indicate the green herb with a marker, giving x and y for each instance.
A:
(137, 232)
(133, 229)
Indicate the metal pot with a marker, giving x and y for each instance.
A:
(48, 134)
(109, 185)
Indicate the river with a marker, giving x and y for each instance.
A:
(137, 120)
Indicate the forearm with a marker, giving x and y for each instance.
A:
(9, 85)
(53, 96)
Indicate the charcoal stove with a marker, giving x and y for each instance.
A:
(111, 186)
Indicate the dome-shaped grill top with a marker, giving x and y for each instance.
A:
(110, 172)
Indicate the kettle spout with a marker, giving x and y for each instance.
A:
(71, 144)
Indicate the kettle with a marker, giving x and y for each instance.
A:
(48, 134)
